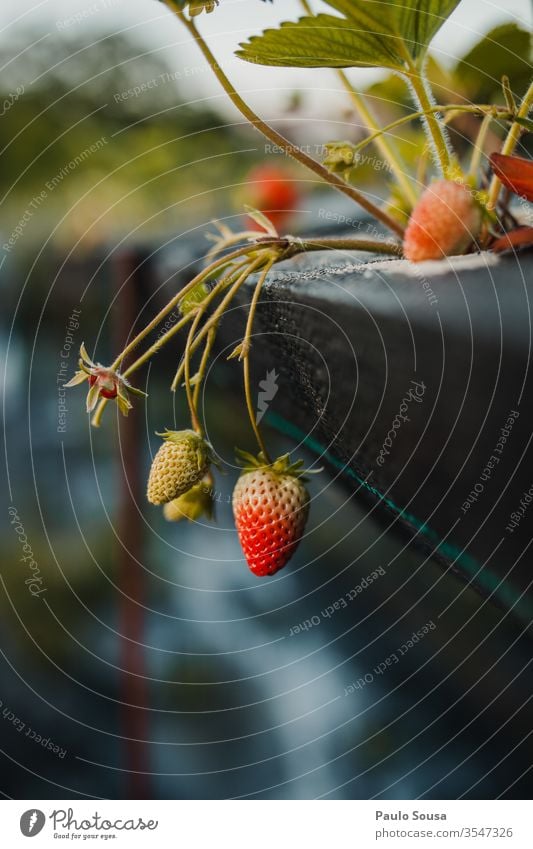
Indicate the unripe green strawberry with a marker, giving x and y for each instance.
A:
(270, 505)
(180, 463)
(193, 504)
(445, 221)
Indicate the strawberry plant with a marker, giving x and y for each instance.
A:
(450, 204)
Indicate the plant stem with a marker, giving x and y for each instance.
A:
(216, 316)
(347, 244)
(479, 145)
(246, 361)
(386, 148)
(509, 145)
(201, 311)
(153, 349)
(420, 86)
(276, 138)
(195, 421)
(203, 365)
(405, 119)
(175, 301)
(97, 417)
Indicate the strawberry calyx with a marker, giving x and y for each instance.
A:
(280, 466)
(188, 435)
(196, 441)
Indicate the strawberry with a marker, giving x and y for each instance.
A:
(271, 191)
(445, 221)
(193, 504)
(270, 506)
(180, 463)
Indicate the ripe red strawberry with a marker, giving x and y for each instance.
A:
(445, 221)
(271, 191)
(270, 505)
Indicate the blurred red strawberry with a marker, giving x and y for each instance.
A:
(271, 190)
(515, 173)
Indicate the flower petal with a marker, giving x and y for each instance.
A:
(79, 377)
(85, 356)
(92, 397)
(123, 405)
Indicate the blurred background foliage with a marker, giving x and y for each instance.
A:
(159, 158)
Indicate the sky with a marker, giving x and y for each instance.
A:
(151, 25)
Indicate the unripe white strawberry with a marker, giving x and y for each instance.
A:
(444, 222)
(180, 463)
(193, 504)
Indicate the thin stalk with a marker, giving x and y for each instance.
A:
(153, 349)
(195, 421)
(509, 145)
(200, 312)
(203, 365)
(479, 146)
(419, 86)
(175, 301)
(405, 119)
(216, 316)
(97, 417)
(246, 361)
(339, 244)
(387, 149)
(276, 138)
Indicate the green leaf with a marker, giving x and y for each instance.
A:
(418, 21)
(506, 49)
(371, 33)
(322, 41)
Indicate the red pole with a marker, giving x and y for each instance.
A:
(131, 579)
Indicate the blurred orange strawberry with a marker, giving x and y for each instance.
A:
(515, 173)
(271, 190)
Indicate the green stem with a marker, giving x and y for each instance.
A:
(203, 365)
(153, 349)
(509, 145)
(406, 119)
(348, 244)
(479, 145)
(387, 149)
(246, 361)
(216, 316)
(195, 421)
(200, 312)
(175, 301)
(419, 86)
(97, 417)
(276, 138)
